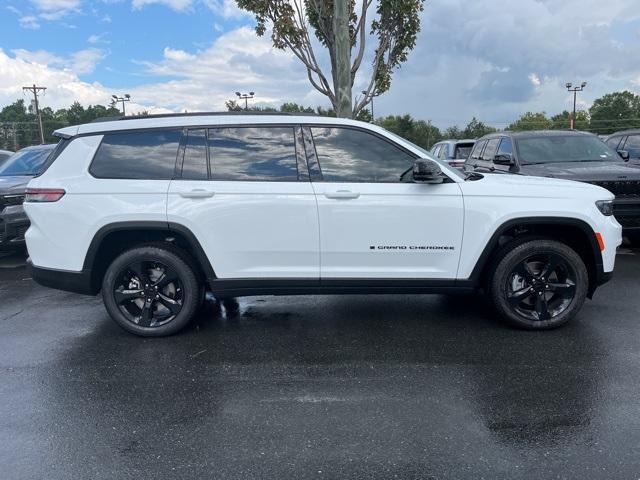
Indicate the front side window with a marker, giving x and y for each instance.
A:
(253, 154)
(614, 142)
(137, 155)
(350, 155)
(633, 146)
(490, 151)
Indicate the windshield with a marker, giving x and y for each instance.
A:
(25, 162)
(426, 154)
(569, 148)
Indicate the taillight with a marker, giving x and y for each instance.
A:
(43, 194)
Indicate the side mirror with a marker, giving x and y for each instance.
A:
(624, 154)
(426, 171)
(503, 159)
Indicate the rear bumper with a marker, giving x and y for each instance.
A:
(76, 282)
(12, 229)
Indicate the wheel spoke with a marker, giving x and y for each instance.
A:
(146, 315)
(542, 308)
(550, 266)
(123, 296)
(173, 306)
(141, 272)
(523, 270)
(168, 277)
(565, 290)
(517, 297)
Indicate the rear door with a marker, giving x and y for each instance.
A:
(372, 225)
(244, 191)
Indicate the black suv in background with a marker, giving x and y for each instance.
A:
(568, 155)
(627, 143)
(15, 173)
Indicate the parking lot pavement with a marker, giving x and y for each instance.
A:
(319, 387)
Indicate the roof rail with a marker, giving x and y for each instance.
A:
(199, 114)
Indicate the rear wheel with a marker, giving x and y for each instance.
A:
(538, 284)
(151, 291)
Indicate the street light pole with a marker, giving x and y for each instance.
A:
(246, 97)
(33, 89)
(126, 98)
(372, 96)
(575, 90)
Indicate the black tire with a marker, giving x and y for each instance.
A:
(152, 290)
(538, 284)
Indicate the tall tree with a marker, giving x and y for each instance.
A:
(563, 120)
(531, 121)
(344, 32)
(476, 129)
(417, 131)
(615, 111)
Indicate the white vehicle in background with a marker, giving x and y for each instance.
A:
(454, 152)
(155, 210)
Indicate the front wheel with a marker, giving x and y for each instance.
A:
(538, 284)
(151, 290)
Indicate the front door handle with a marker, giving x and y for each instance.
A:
(342, 195)
(197, 193)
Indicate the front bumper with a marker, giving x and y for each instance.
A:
(627, 212)
(13, 225)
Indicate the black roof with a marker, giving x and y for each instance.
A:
(633, 131)
(537, 134)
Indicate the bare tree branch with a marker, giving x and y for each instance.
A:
(361, 29)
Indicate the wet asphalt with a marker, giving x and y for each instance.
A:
(371, 387)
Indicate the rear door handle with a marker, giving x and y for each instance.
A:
(342, 195)
(197, 193)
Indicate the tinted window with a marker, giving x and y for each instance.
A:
(506, 147)
(490, 151)
(463, 150)
(436, 150)
(442, 155)
(477, 149)
(253, 154)
(194, 166)
(137, 155)
(25, 162)
(633, 146)
(349, 155)
(613, 142)
(569, 148)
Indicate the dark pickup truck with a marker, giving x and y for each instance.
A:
(569, 155)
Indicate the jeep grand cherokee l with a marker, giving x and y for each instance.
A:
(569, 155)
(154, 210)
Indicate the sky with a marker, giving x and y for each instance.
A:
(493, 59)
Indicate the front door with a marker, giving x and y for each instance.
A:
(372, 225)
(251, 205)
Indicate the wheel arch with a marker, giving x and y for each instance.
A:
(114, 238)
(576, 233)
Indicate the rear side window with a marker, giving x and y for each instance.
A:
(137, 155)
(477, 150)
(253, 154)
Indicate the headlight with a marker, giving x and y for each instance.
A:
(605, 206)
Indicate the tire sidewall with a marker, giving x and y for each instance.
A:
(190, 284)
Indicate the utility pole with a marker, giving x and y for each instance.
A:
(126, 98)
(246, 97)
(575, 90)
(35, 90)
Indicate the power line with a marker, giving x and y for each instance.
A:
(35, 90)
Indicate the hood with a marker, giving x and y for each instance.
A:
(14, 185)
(584, 171)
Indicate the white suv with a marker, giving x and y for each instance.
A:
(154, 210)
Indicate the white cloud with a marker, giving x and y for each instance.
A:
(55, 9)
(178, 5)
(29, 22)
(226, 8)
(79, 63)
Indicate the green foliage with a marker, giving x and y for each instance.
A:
(614, 112)
(531, 121)
(417, 131)
(476, 129)
(562, 121)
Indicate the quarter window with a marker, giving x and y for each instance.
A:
(253, 154)
(349, 155)
(137, 155)
(194, 166)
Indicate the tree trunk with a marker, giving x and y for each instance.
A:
(342, 77)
